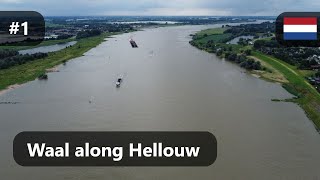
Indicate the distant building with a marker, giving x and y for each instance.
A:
(52, 36)
(314, 57)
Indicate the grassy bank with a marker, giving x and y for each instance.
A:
(307, 96)
(31, 70)
(215, 35)
(275, 70)
(270, 74)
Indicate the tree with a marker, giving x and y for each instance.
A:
(20, 59)
(219, 52)
(247, 52)
(256, 65)
(241, 59)
(232, 57)
(258, 44)
(88, 33)
(227, 54)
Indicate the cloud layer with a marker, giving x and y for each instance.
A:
(160, 7)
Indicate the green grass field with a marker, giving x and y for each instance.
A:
(216, 38)
(211, 31)
(31, 70)
(49, 24)
(216, 35)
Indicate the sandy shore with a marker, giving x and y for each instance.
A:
(12, 87)
(15, 86)
(54, 69)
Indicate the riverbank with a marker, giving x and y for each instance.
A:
(274, 70)
(27, 72)
(306, 95)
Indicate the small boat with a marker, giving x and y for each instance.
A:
(133, 43)
(118, 83)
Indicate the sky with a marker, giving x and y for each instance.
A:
(161, 7)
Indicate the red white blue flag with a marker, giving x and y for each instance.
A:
(300, 28)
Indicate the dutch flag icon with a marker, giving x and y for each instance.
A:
(300, 28)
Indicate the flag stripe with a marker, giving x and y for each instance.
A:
(300, 21)
(299, 36)
(300, 28)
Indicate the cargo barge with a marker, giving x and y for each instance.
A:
(133, 43)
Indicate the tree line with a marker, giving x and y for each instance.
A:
(4, 53)
(9, 58)
(243, 60)
(303, 58)
(88, 33)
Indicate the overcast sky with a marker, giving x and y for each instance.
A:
(161, 7)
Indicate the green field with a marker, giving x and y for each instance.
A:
(211, 31)
(216, 38)
(49, 24)
(31, 70)
(216, 35)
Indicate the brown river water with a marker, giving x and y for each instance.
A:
(168, 86)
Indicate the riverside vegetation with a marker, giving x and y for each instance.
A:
(280, 65)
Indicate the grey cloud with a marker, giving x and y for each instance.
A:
(160, 7)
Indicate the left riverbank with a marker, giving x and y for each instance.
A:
(20, 74)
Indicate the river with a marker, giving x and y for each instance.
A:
(168, 86)
(47, 49)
